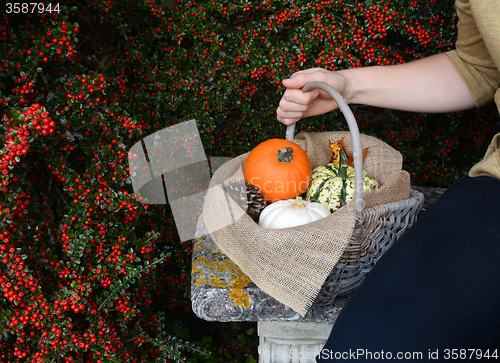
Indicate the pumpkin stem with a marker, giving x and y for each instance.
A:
(298, 203)
(285, 154)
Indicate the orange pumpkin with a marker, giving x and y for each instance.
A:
(279, 168)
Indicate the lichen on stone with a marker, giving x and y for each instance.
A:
(219, 271)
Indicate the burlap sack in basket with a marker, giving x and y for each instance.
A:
(292, 264)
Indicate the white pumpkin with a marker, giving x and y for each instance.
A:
(291, 213)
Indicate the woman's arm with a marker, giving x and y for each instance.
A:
(430, 84)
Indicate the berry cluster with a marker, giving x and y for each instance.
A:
(21, 131)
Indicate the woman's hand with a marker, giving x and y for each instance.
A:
(296, 104)
(430, 85)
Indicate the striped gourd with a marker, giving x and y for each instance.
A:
(333, 185)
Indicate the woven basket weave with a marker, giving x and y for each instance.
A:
(378, 228)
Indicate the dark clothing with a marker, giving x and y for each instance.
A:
(436, 289)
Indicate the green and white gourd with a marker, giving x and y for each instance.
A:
(333, 184)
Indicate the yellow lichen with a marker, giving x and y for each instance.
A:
(198, 243)
(210, 273)
(240, 297)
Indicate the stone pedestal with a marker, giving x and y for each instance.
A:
(220, 291)
(291, 342)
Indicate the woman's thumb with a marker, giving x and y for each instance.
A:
(295, 81)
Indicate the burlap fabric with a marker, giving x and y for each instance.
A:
(292, 264)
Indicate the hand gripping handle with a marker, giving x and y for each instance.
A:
(356, 140)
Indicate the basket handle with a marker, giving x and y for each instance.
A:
(356, 140)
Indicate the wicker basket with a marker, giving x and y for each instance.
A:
(377, 228)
